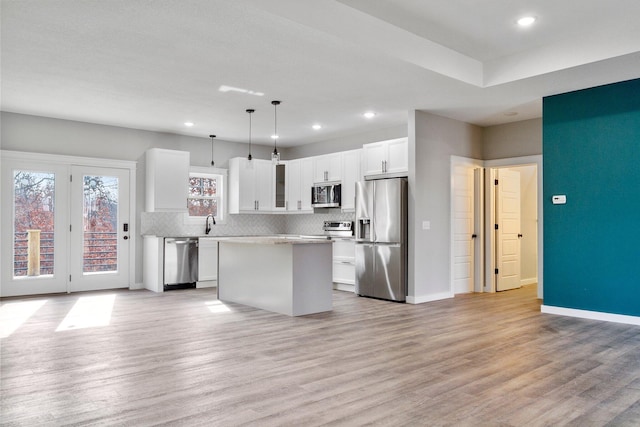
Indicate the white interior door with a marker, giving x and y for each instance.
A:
(463, 199)
(100, 223)
(508, 219)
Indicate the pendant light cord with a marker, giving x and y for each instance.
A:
(212, 136)
(250, 111)
(275, 126)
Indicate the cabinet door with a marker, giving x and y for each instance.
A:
(350, 175)
(263, 179)
(328, 168)
(306, 182)
(397, 155)
(294, 186)
(279, 174)
(167, 178)
(373, 156)
(320, 168)
(207, 259)
(246, 190)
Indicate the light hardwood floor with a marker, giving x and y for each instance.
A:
(179, 358)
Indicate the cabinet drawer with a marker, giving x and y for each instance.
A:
(344, 249)
(344, 272)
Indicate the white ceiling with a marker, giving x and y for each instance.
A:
(154, 64)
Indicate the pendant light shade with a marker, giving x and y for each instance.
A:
(275, 156)
(212, 136)
(250, 111)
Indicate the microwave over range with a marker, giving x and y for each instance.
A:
(326, 195)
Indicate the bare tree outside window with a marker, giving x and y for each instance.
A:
(34, 214)
(100, 224)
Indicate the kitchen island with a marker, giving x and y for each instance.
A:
(291, 276)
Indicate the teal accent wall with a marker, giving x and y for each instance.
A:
(591, 153)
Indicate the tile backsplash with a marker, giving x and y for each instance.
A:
(172, 224)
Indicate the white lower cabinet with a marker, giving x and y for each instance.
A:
(344, 264)
(207, 262)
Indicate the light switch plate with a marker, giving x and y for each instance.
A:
(426, 225)
(559, 199)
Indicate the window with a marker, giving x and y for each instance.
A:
(205, 196)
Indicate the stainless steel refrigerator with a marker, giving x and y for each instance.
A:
(381, 239)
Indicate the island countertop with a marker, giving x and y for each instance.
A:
(272, 240)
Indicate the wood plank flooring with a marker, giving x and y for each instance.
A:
(182, 358)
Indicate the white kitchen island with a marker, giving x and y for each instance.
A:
(291, 276)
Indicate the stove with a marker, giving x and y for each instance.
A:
(338, 228)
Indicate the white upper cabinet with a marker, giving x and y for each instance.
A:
(299, 182)
(386, 157)
(351, 173)
(327, 168)
(250, 185)
(167, 180)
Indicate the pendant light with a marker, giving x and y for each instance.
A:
(212, 136)
(275, 156)
(250, 111)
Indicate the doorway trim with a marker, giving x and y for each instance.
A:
(490, 284)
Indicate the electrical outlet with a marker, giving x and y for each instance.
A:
(426, 225)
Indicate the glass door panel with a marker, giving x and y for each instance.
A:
(99, 216)
(34, 225)
(100, 224)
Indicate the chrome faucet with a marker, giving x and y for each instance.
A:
(207, 227)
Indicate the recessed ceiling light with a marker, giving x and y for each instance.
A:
(525, 21)
(189, 124)
(369, 115)
(316, 127)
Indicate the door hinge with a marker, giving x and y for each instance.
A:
(495, 226)
(495, 271)
(69, 277)
(70, 178)
(69, 228)
(495, 182)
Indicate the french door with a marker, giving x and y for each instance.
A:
(99, 232)
(63, 226)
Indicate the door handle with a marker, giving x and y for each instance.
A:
(126, 237)
(473, 236)
(519, 236)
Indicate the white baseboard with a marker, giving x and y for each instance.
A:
(592, 315)
(136, 286)
(528, 281)
(428, 298)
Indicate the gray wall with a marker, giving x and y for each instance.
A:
(432, 142)
(516, 139)
(46, 135)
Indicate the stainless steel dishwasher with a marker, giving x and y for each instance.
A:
(180, 262)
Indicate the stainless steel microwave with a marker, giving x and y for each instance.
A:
(326, 195)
